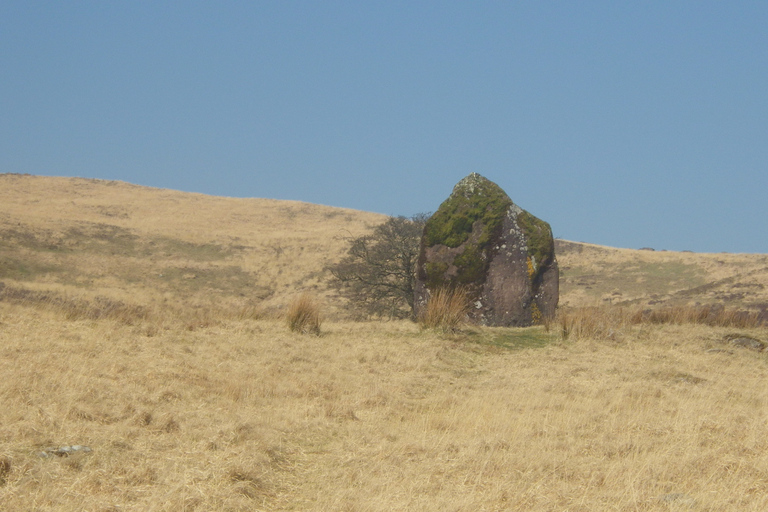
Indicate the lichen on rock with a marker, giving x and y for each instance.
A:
(541, 244)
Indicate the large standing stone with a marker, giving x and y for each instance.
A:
(503, 256)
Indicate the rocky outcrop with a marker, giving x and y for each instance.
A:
(501, 254)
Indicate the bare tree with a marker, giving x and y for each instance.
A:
(377, 274)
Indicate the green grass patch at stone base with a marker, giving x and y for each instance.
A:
(512, 338)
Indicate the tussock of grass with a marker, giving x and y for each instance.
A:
(608, 322)
(446, 309)
(5, 469)
(703, 315)
(592, 322)
(303, 315)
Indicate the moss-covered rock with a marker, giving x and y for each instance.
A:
(474, 199)
(503, 255)
(540, 243)
(470, 219)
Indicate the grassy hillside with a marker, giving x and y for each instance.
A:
(592, 274)
(159, 248)
(145, 367)
(75, 238)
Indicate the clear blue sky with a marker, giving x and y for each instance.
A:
(628, 124)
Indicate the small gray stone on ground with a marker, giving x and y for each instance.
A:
(65, 451)
(749, 342)
(678, 498)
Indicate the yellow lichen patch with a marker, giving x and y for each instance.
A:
(536, 315)
(531, 267)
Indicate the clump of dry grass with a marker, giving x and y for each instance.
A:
(5, 469)
(303, 315)
(713, 316)
(592, 322)
(606, 322)
(446, 309)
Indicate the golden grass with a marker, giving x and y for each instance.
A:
(244, 415)
(303, 315)
(446, 309)
(612, 321)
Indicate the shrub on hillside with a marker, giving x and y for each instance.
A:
(446, 309)
(303, 315)
(378, 273)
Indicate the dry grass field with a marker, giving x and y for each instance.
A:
(147, 325)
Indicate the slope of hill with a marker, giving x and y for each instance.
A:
(74, 237)
(593, 274)
(140, 245)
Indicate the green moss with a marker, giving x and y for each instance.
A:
(541, 245)
(474, 199)
(512, 338)
(471, 265)
(435, 273)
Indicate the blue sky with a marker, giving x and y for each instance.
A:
(630, 124)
